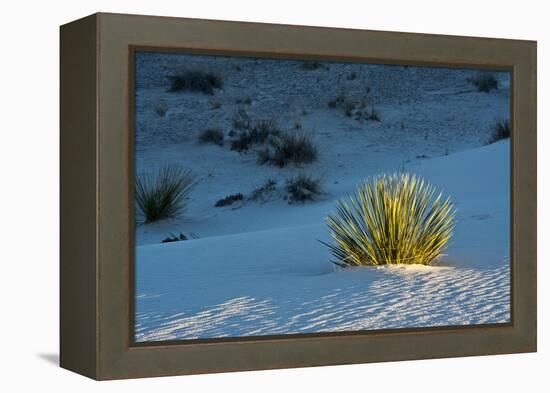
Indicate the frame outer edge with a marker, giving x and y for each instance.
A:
(525, 193)
(78, 197)
(117, 357)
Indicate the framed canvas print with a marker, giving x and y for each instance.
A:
(241, 196)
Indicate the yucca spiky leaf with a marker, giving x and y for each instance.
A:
(391, 219)
(163, 194)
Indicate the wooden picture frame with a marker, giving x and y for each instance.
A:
(97, 204)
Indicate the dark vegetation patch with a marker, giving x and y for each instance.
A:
(173, 238)
(280, 148)
(212, 135)
(311, 65)
(484, 81)
(229, 200)
(500, 130)
(195, 81)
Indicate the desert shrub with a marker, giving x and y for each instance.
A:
(241, 120)
(393, 219)
(229, 200)
(262, 192)
(302, 188)
(311, 65)
(289, 148)
(257, 134)
(195, 81)
(163, 194)
(500, 130)
(212, 135)
(484, 81)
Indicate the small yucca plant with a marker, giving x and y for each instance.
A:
(391, 219)
(163, 194)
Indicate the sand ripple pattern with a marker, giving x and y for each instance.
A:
(374, 299)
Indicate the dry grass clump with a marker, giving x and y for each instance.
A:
(289, 148)
(303, 188)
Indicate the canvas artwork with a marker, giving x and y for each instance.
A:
(289, 196)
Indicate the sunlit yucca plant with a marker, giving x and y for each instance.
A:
(164, 193)
(391, 219)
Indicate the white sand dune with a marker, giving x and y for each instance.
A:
(280, 281)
